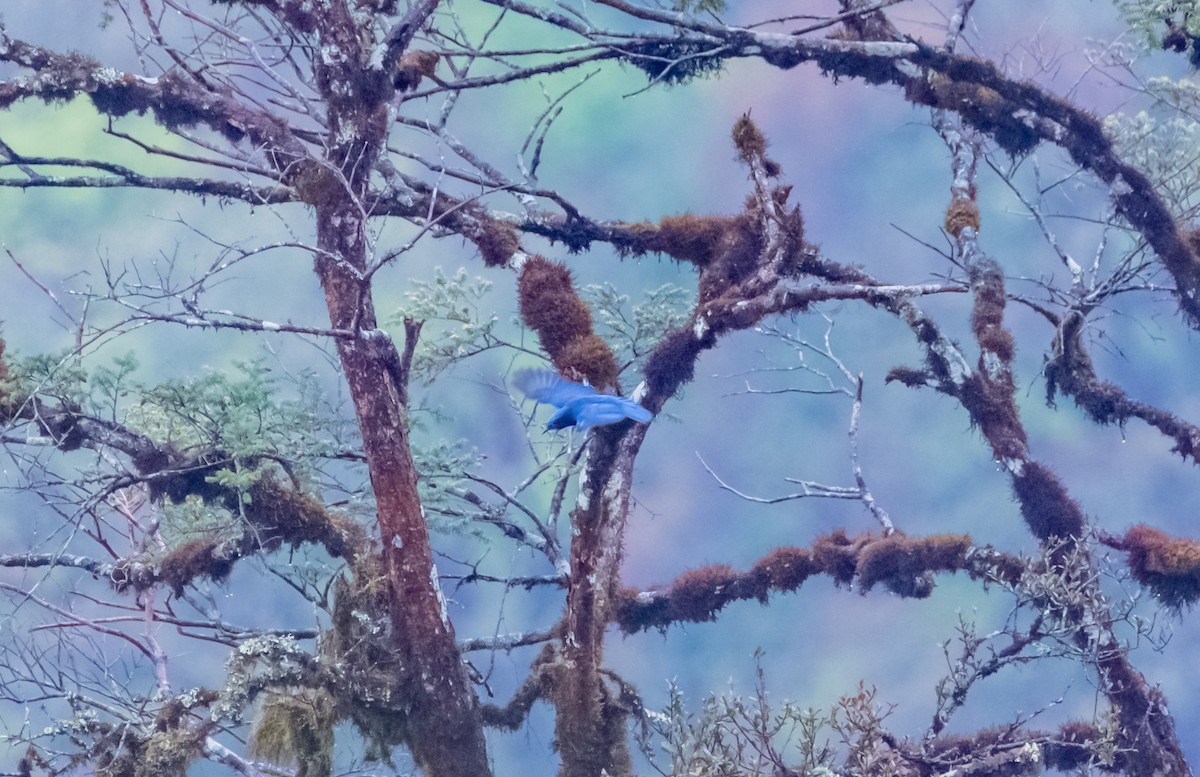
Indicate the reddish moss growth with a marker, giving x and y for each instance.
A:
(961, 214)
(982, 107)
(191, 560)
(496, 241)
(1192, 238)
(698, 594)
(783, 569)
(739, 256)
(1047, 508)
(991, 407)
(588, 357)
(536, 686)
(836, 555)
(749, 140)
(284, 515)
(987, 317)
(634, 613)
(411, 67)
(549, 305)
(673, 361)
(694, 239)
(1168, 566)
(901, 563)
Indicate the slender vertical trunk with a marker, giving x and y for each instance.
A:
(590, 726)
(443, 725)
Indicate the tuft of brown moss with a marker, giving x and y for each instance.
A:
(694, 239)
(982, 107)
(698, 594)
(296, 729)
(195, 559)
(749, 140)
(783, 569)
(496, 241)
(411, 67)
(961, 214)
(281, 514)
(908, 376)
(588, 357)
(1168, 566)
(538, 685)
(672, 363)
(1048, 509)
(550, 306)
(836, 555)
(902, 563)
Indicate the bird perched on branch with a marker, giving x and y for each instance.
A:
(579, 405)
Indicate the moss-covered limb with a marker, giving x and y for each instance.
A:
(751, 265)
(1070, 371)
(175, 99)
(1013, 750)
(748, 266)
(988, 393)
(163, 743)
(536, 687)
(551, 306)
(275, 515)
(1057, 520)
(902, 564)
(1168, 566)
(589, 724)
(1017, 115)
(68, 428)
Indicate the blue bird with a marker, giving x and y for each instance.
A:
(579, 405)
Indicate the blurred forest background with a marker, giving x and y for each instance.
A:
(872, 179)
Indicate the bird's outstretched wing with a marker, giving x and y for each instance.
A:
(581, 406)
(546, 386)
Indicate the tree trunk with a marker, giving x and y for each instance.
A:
(445, 733)
(590, 725)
